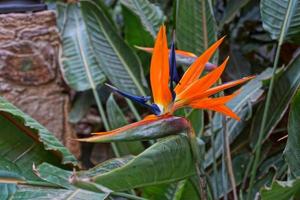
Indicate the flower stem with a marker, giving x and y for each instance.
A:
(223, 168)
(228, 159)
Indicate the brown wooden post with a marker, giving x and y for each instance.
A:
(29, 72)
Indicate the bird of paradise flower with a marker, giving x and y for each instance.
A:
(190, 91)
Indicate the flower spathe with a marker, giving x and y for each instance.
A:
(190, 91)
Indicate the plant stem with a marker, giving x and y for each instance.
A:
(215, 168)
(258, 145)
(224, 177)
(247, 171)
(228, 159)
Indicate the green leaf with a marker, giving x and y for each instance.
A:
(30, 193)
(120, 64)
(150, 15)
(282, 190)
(285, 87)
(195, 25)
(168, 160)
(79, 64)
(117, 119)
(273, 15)
(9, 172)
(292, 149)
(136, 35)
(25, 142)
(134, 31)
(175, 191)
(141, 131)
(62, 179)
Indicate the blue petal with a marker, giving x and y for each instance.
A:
(142, 100)
(173, 70)
(138, 99)
(155, 109)
(172, 60)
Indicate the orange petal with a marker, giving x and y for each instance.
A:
(225, 111)
(213, 90)
(178, 52)
(210, 102)
(195, 70)
(204, 83)
(217, 104)
(159, 71)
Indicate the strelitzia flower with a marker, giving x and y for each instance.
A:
(189, 91)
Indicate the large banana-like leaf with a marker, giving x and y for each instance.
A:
(149, 14)
(292, 149)
(118, 61)
(168, 160)
(274, 14)
(25, 142)
(285, 87)
(78, 61)
(195, 25)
